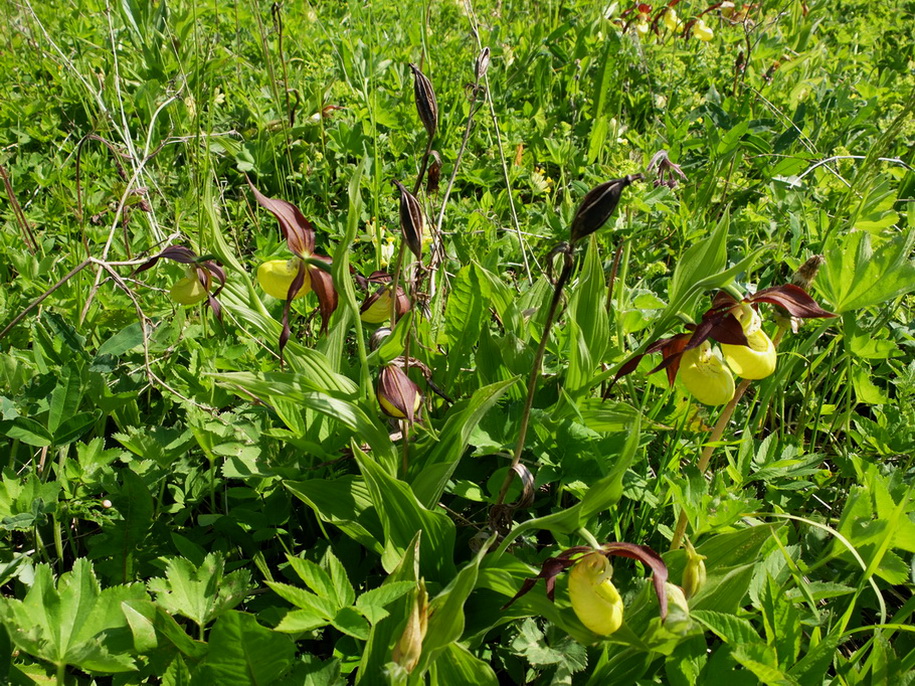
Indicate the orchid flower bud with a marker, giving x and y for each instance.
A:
(694, 573)
(276, 276)
(398, 396)
(756, 360)
(705, 375)
(595, 599)
(409, 647)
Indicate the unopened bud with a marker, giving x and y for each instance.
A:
(694, 572)
(597, 206)
(482, 65)
(409, 647)
(398, 396)
(807, 272)
(412, 220)
(434, 175)
(426, 104)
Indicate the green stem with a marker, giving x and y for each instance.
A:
(535, 372)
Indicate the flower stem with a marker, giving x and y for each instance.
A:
(711, 444)
(568, 263)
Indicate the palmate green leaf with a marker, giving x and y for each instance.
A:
(75, 622)
(372, 603)
(200, 593)
(728, 627)
(243, 653)
(856, 276)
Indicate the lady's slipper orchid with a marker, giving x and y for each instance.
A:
(276, 277)
(300, 238)
(757, 359)
(703, 31)
(705, 376)
(376, 309)
(595, 599)
(197, 283)
(189, 290)
(671, 21)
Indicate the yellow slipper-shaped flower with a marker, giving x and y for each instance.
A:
(188, 291)
(756, 361)
(275, 277)
(595, 599)
(705, 375)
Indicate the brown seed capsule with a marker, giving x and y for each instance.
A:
(398, 396)
(807, 272)
(412, 220)
(482, 64)
(597, 206)
(426, 104)
(435, 172)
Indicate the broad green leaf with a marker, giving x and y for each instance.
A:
(293, 387)
(446, 610)
(457, 666)
(344, 502)
(384, 634)
(700, 261)
(126, 339)
(74, 427)
(28, 431)
(243, 653)
(73, 622)
(589, 330)
(453, 439)
(856, 276)
(312, 366)
(342, 588)
(66, 397)
(466, 310)
(402, 515)
(200, 593)
(606, 492)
